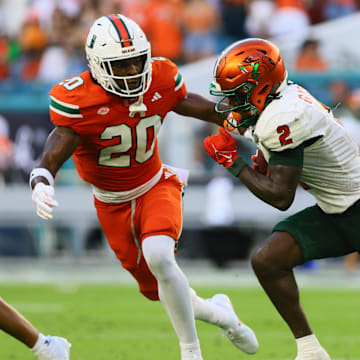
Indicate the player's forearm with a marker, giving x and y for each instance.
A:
(59, 146)
(207, 111)
(197, 106)
(49, 162)
(266, 189)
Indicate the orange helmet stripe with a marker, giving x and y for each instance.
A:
(121, 30)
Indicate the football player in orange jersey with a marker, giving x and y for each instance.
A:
(43, 347)
(108, 119)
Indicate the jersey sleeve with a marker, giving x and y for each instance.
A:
(289, 130)
(63, 113)
(180, 88)
(65, 107)
(167, 76)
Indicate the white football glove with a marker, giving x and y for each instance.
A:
(43, 197)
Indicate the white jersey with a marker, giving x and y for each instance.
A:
(331, 168)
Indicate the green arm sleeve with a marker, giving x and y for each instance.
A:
(290, 157)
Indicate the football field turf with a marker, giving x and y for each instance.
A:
(113, 322)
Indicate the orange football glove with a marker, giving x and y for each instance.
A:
(222, 148)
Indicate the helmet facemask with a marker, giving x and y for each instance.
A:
(236, 100)
(122, 85)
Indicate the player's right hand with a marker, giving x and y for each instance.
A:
(222, 148)
(259, 163)
(43, 197)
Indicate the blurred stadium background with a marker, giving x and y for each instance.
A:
(41, 43)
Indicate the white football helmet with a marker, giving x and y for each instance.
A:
(112, 38)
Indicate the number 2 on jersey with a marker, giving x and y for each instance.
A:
(123, 131)
(284, 132)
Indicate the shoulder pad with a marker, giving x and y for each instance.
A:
(288, 122)
(77, 92)
(166, 74)
(284, 131)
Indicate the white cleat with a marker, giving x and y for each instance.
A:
(55, 348)
(318, 354)
(237, 332)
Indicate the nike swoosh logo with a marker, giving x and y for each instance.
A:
(225, 156)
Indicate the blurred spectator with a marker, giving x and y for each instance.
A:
(64, 56)
(44, 9)
(233, 15)
(354, 102)
(334, 9)
(136, 10)
(199, 21)
(33, 41)
(290, 17)
(258, 14)
(6, 149)
(316, 11)
(309, 58)
(60, 62)
(4, 57)
(340, 93)
(109, 6)
(163, 28)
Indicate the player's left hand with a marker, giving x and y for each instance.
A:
(222, 148)
(43, 197)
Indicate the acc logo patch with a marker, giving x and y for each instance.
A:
(103, 110)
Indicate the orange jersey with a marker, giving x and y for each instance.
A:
(116, 152)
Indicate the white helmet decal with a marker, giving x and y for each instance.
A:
(112, 38)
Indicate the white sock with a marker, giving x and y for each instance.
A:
(193, 348)
(174, 290)
(39, 343)
(209, 312)
(308, 343)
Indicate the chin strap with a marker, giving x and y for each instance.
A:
(137, 107)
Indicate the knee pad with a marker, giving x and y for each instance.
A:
(158, 252)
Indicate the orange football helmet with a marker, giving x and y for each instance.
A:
(246, 76)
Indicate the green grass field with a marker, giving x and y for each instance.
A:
(114, 322)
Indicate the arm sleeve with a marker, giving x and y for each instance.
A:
(289, 157)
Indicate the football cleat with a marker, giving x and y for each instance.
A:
(54, 348)
(237, 332)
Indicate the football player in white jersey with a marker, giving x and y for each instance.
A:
(43, 347)
(299, 141)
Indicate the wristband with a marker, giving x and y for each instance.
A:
(237, 166)
(41, 172)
